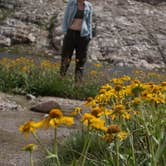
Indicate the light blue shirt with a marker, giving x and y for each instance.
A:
(70, 11)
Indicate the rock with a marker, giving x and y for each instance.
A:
(10, 4)
(20, 32)
(8, 105)
(152, 2)
(127, 33)
(46, 106)
(5, 41)
(30, 97)
(6, 164)
(11, 140)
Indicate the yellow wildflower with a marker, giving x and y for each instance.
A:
(108, 137)
(163, 83)
(87, 117)
(67, 120)
(157, 99)
(113, 129)
(163, 86)
(126, 78)
(120, 111)
(55, 113)
(95, 111)
(136, 101)
(56, 118)
(136, 81)
(105, 112)
(25, 68)
(107, 87)
(76, 111)
(28, 127)
(46, 64)
(144, 94)
(126, 115)
(122, 135)
(54, 122)
(119, 108)
(93, 72)
(118, 81)
(90, 101)
(38, 124)
(30, 147)
(98, 65)
(102, 90)
(98, 124)
(118, 87)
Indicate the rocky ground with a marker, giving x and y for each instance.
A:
(14, 111)
(127, 33)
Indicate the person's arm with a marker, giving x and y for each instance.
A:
(90, 22)
(64, 23)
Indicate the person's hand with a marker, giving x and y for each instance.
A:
(65, 1)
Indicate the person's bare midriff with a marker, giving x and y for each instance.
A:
(76, 24)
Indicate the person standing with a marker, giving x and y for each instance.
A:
(77, 29)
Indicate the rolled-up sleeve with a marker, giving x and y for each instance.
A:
(65, 19)
(90, 21)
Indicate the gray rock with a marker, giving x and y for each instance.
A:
(20, 32)
(5, 41)
(46, 106)
(152, 2)
(30, 97)
(128, 32)
(6, 164)
(9, 105)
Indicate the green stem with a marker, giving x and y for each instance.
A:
(133, 150)
(40, 143)
(55, 142)
(117, 152)
(84, 152)
(131, 143)
(151, 148)
(151, 151)
(160, 150)
(55, 150)
(31, 159)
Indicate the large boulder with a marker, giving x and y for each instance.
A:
(46, 106)
(21, 32)
(128, 32)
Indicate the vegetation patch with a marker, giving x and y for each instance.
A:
(124, 124)
(41, 77)
(24, 75)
